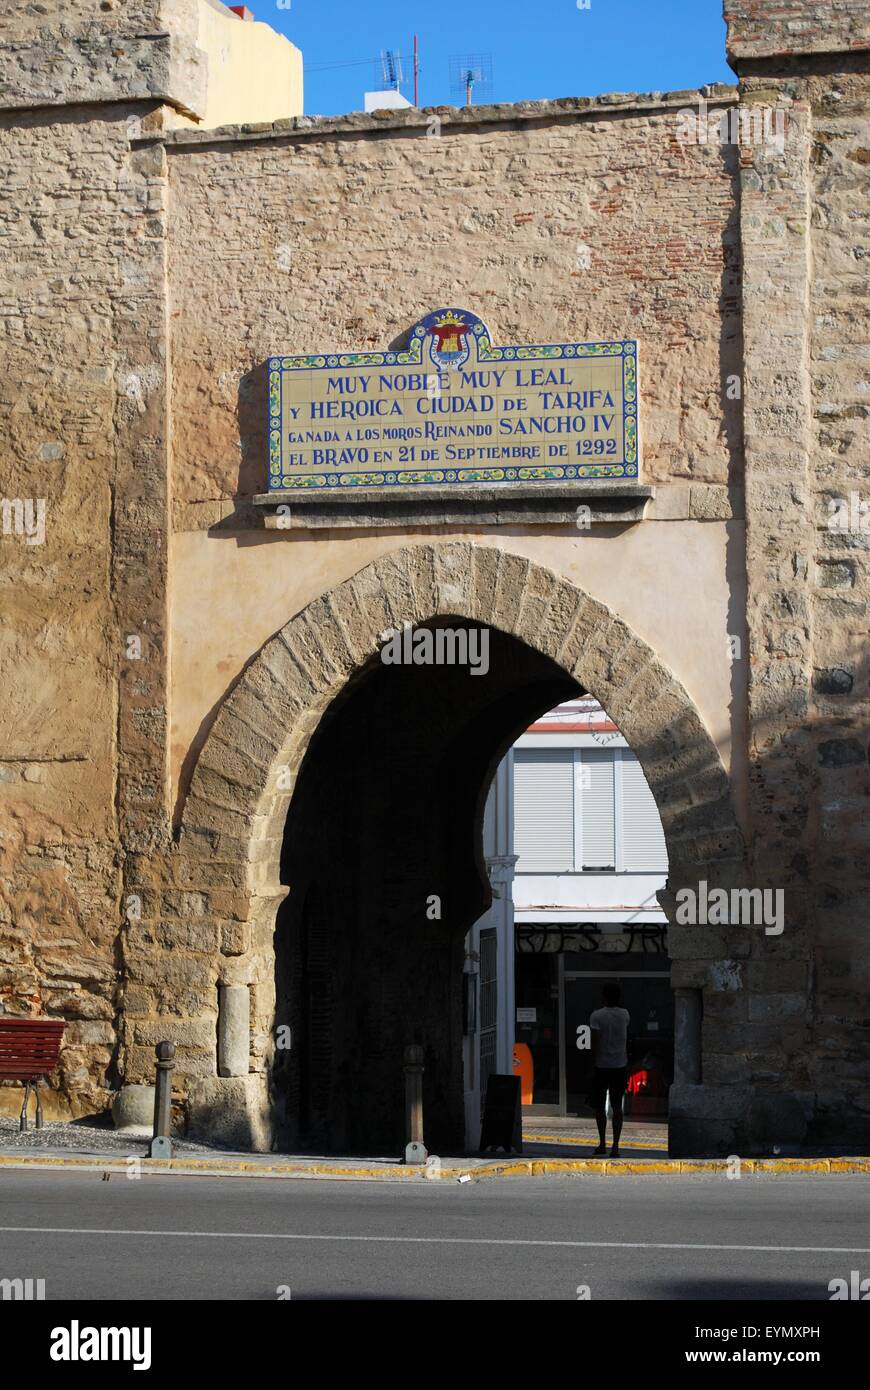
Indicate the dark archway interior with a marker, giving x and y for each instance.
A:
(387, 812)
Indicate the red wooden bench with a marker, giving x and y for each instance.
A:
(29, 1049)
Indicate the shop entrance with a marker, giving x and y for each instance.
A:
(647, 996)
(556, 994)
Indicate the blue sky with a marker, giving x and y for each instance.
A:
(539, 48)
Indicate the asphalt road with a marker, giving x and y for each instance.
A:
(519, 1238)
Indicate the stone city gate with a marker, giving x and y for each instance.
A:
(228, 857)
(166, 242)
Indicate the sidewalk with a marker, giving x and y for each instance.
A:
(551, 1148)
(573, 1137)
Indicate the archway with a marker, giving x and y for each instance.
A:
(242, 787)
(383, 857)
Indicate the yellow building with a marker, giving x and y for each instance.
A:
(253, 73)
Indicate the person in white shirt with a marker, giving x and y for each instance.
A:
(609, 1027)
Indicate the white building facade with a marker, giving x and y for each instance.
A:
(489, 960)
(576, 855)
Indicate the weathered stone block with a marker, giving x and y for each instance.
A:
(235, 938)
(507, 599)
(709, 1102)
(234, 1030)
(841, 752)
(91, 1032)
(186, 1033)
(233, 1111)
(775, 1120)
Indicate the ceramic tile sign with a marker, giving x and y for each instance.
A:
(452, 409)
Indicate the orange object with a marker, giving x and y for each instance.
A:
(524, 1068)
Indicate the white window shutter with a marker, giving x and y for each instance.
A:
(644, 848)
(544, 810)
(599, 837)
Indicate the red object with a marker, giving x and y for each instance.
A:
(648, 1091)
(550, 726)
(29, 1047)
(450, 335)
(241, 10)
(646, 1083)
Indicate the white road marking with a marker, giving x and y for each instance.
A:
(438, 1240)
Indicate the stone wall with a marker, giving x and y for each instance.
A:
(802, 1011)
(75, 375)
(22, 19)
(553, 221)
(765, 28)
(84, 426)
(144, 50)
(195, 56)
(83, 762)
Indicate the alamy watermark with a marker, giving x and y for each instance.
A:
(22, 1290)
(77, 1343)
(24, 517)
(440, 646)
(855, 1288)
(735, 907)
(850, 513)
(739, 125)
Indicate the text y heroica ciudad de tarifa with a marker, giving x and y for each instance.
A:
(445, 403)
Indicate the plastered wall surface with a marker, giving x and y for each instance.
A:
(253, 589)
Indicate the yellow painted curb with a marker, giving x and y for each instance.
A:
(519, 1167)
(120, 1164)
(763, 1166)
(67, 1161)
(541, 1166)
(640, 1165)
(287, 1170)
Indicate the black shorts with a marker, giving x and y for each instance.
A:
(604, 1079)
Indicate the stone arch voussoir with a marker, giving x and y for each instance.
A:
(243, 779)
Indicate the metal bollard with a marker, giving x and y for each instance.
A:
(161, 1143)
(415, 1150)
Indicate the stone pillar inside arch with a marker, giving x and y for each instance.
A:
(233, 1106)
(711, 1094)
(234, 1030)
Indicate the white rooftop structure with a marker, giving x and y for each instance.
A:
(389, 100)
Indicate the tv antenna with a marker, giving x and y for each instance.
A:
(471, 74)
(391, 68)
(391, 71)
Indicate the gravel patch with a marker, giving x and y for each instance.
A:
(85, 1137)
